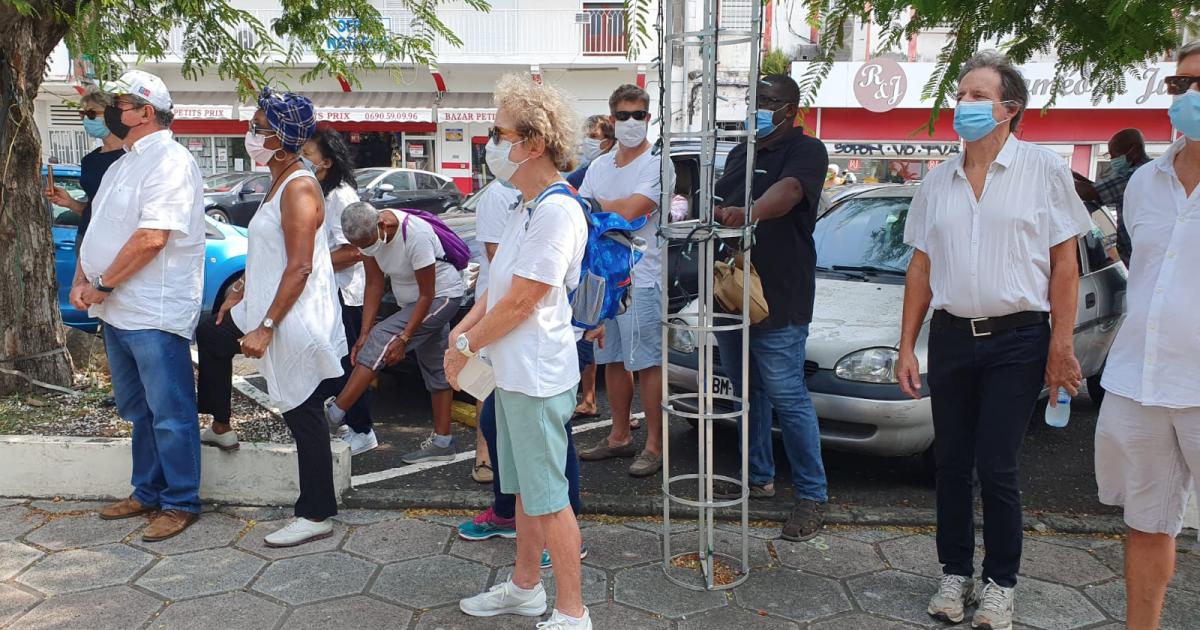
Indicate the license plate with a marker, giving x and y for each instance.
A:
(722, 386)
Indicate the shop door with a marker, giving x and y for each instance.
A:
(418, 152)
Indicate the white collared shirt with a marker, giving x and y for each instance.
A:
(353, 279)
(991, 257)
(1156, 355)
(156, 185)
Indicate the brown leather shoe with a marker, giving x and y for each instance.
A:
(125, 508)
(166, 524)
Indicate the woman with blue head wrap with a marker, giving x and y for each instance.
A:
(287, 305)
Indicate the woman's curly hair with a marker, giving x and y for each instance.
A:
(540, 111)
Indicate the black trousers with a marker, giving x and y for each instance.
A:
(217, 345)
(358, 416)
(983, 392)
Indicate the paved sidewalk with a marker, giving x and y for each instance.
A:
(62, 567)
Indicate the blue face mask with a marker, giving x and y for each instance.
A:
(764, 120)
(973, 119)
(1185, 114)
(1119, 165)
(95, 128)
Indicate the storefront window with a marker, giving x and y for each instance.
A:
(217, 154)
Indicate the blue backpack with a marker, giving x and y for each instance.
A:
(611, 252)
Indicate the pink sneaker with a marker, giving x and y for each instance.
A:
(488, 525)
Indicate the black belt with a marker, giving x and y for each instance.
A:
(985, 326)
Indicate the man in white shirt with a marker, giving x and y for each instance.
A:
(1148, 433)
(429, 291)
(141, 272)
(628, 181)
(993, 233)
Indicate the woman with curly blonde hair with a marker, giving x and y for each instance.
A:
(524, 322)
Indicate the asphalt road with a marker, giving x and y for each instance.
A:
(1057, 464)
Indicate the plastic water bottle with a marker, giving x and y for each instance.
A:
(1058, 417)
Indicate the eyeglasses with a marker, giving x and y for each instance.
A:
(90, 114)
(261, 131)
(495, 133)
(1180, 84)
(639, 115)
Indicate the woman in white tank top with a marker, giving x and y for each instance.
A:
(284, 312)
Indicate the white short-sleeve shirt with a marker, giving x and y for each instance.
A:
(352, 280)
(416, 246)
(643, 176)
(545, 244)
(1154, 359)
(490, 217)
(156, 185)
(991, 257)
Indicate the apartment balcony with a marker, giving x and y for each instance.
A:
(596, 34)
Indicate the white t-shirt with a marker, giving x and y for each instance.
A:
(352, 280)
(544, 245)
(642, 176)
(156, 186)
(490, 216)
(416, 247)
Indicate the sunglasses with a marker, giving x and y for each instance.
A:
(495, 133)
(261, 131)
(1180, 84)
(639, 115)
(90, 115)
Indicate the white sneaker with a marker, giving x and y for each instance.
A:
(558, 621)
(996, 605)
(298, 532)
(503, 599)
(227, 441)
(955, 593)
(334, 416)
(360, 442)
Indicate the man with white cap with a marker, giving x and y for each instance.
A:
(140, 272)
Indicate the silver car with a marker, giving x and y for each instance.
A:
(855, 332)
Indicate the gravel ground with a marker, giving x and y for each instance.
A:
(50, 413)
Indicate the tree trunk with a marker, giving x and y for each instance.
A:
(31, 338)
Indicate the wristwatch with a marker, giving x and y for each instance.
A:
(463, 345)
(98, 284)
(269, 324)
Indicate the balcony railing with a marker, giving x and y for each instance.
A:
(503, 36)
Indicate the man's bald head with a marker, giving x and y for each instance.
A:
(1128, 142)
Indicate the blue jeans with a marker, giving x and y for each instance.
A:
(505, 505)
(153, 384)
(777, 382)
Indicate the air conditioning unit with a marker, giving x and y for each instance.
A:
(807, 52)
(245, 38)
(583, 18)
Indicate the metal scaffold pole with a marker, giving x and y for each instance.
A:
(689, 60)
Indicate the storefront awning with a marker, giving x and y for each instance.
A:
(204, 105)
(378, 107)
(467, 107)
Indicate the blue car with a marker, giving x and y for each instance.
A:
(224, 252)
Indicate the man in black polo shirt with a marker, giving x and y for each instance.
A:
(790, 171)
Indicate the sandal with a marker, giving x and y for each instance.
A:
(482, 473)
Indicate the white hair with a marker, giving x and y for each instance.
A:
(360, 221)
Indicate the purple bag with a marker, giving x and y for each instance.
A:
(457, 252)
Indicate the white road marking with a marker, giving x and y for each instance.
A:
(410, 469)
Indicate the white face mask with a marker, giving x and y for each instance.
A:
(498, 161)
(376, 246)
(631, 133)
(591, 149)
(256, 150)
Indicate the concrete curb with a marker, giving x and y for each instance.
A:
(99, 468)
(618, 505)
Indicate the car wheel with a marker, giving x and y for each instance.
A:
(1094, 390)
(218, 215)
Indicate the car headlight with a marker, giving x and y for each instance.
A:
(681, 340)
(873, 365)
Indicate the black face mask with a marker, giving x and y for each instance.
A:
(112, 120)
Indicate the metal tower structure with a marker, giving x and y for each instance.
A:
(699, 37)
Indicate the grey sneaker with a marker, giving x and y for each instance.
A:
(333, 415)
(430, 452)
(995, 607)
(955, 593)
(645, 464)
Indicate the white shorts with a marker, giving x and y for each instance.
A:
(1146, 460)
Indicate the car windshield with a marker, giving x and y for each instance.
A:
(365, 176)
(864, 237)
(223, 182)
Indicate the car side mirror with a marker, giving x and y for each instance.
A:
(246, 190)
(386, 188)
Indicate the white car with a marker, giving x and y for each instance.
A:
(853, 338)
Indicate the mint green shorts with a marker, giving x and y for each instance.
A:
(531, 444)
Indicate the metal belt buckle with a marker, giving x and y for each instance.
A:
(974, 331)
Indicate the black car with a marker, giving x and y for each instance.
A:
(408, 188)
(234, 197)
